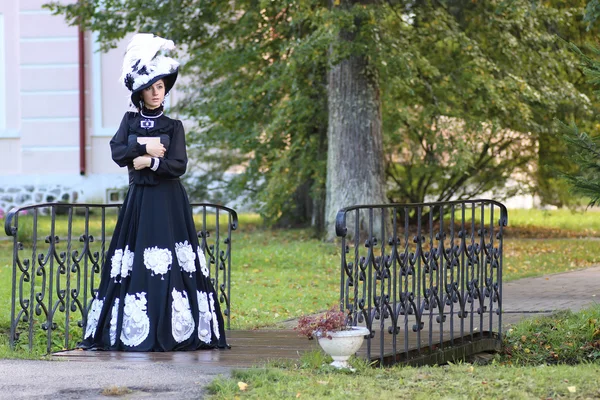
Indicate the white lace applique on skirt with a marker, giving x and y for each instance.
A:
(113, 322)
(186, 257)
(93, 316)
(136, 324)
(204, 319)
(158, 260)
(203, 266)
(182, 323)
(127, 263)
(214, 317)
(115, 263)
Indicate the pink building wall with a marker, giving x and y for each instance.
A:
(39, 108)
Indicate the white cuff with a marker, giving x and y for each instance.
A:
(154, 164)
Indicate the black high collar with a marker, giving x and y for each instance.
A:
(152, 113)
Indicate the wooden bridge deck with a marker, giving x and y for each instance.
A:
(254, 348)
(248, 348)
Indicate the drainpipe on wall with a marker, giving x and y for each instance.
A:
(82, 132)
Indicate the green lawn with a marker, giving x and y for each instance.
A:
(581, 223)
(462, 381)
(534, 365)
(526, 258)
(541, 224)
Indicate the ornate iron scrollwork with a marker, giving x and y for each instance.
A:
(436, 280)
(53, 287)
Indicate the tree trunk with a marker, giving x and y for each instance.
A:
(355, 162)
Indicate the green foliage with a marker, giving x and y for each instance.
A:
(260, 102)
(592, 12)
(583, 149)
(468, 91)
(487, 79)
(563, 338)
(585, 152)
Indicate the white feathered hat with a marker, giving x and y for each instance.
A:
(143, 65)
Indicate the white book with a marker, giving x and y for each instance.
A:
(146, 140)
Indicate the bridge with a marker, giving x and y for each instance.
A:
(425, 279)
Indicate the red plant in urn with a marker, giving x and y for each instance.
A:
(317, 326)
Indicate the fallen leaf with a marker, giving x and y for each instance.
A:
(471, 369)
(572, 389)
(298, 395)
(242, 385)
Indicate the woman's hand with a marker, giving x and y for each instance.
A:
(155, 149)
(141, 162)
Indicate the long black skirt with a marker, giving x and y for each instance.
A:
(155, 292)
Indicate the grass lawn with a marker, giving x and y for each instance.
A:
(461, 381)
(541, 348)
(526, 258)
(555, 223)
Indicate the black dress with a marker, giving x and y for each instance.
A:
(155, 293)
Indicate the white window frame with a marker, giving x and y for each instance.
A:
(99, 128)
(3, 110)
(4, 131)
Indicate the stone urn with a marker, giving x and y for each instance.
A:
(341, 345)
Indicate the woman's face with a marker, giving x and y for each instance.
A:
(154, 95)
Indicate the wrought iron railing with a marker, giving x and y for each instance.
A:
(58, 252)
(424, 278)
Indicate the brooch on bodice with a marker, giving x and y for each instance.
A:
(147, 123)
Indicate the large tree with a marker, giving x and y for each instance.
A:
(455, 96)
(355, 158)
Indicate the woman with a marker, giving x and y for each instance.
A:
(155, 293)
